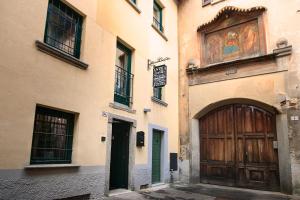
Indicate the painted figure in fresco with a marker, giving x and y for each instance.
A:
(231, 43)
(214, 46)
(250, 39)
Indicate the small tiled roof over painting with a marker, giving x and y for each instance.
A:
(230, 9)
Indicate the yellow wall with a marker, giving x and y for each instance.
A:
(261, 88)
(29, 77)
(280, 22)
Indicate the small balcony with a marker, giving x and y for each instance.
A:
(123, 86)
(158, 25)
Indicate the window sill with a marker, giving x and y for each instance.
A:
(119, 106)
(158, 101)
(216, 1)
(213, 2)
(47, 166)
(159, 32)
(134, 6)
(60, 55)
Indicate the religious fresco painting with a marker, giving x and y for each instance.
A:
(231, 43)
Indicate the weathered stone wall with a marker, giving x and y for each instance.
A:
(37, 184)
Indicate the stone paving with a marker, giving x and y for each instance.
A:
(201, 192)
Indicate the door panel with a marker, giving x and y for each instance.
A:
(216, 148)
(156, 156)
(236, 147)
(119, 155)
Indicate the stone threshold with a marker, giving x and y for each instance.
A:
(117, 192)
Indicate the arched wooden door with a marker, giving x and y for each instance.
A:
(238, 148)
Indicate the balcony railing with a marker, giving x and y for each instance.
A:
(123, 86)
(158, 24)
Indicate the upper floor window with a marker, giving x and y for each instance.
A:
(123, 76)
(52, 137)
(158, 16)
(157, 93)
(63, 28)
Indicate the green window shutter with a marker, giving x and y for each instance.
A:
(157, 93)
(158, 16)
(123, 76)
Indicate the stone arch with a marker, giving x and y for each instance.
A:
(225, 102)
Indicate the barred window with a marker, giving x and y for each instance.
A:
(63, 28)
(52, 137)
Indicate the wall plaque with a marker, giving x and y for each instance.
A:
(159, 76)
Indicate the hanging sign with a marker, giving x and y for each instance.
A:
(159, 76)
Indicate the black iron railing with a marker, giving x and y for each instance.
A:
(158, 24)
(123, 86)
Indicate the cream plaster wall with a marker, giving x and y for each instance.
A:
(280, 21)
(29, 77)
(135, 30)
(260, 88)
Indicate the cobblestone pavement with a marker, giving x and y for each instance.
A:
(201, 192)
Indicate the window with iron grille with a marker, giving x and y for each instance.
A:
(63, 28)
(123, 76)
(157, 93)
(52, 137)
(157, 16)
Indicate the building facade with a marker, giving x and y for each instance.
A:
(239, 93)
(79, 113)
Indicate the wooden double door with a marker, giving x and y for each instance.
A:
(238, 147)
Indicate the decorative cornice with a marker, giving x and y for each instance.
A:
(279, 52)
(230, 9)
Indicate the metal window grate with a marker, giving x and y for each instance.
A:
(123, 86)
(63, 28)
(52, 137)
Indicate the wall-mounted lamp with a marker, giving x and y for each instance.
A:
(146, 110)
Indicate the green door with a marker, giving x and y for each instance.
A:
(156, 156)
(119, 155)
